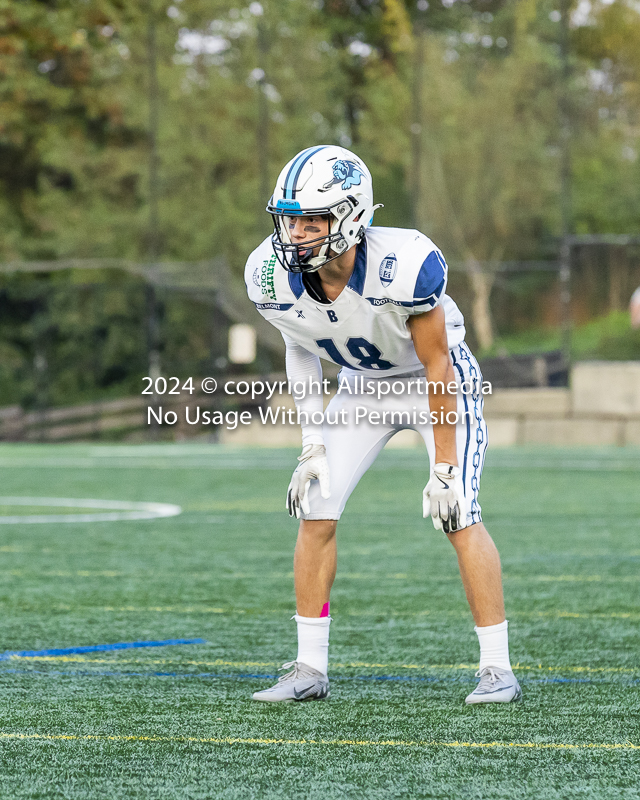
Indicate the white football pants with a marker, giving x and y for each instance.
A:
(353, 438)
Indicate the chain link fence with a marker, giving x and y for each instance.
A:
(78, 336)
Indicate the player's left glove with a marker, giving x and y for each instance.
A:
(443, 499)
(313, 464)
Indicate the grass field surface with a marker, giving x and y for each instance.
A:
(169, 719)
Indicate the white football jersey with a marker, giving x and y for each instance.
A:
(397, 273)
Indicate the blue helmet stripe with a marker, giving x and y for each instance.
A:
(296, 169)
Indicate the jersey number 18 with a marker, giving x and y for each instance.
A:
(366, 354)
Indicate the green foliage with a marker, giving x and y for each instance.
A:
(75, 135)
(71, 341)
(490, 183)
(455, 107)
(79, 336)
(610, 338)
(62, 123)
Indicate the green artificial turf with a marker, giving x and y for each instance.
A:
(179, 722)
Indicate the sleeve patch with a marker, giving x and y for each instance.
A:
(431, 277)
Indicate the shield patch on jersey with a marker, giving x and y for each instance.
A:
(388, 269)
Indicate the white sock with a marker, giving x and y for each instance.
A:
(494, 646)
(313, 642)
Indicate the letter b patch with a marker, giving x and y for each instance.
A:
(332, 316)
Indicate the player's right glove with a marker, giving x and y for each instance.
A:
(313, 464)
(443, 499)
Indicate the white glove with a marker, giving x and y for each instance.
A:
(443, 499)
(313, 464)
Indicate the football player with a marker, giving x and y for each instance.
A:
(372, 300)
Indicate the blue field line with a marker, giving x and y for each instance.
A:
(94, 648)
(79, 673)
(262, 676)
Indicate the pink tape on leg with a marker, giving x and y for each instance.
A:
(325, 610)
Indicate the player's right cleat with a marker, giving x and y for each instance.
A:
(495, 686)
(302, 683)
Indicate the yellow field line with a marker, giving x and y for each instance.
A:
(115, 661)
(335, 742)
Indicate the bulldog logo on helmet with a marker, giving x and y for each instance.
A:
(346, 172)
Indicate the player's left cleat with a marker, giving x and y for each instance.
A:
(496, 686)
(302, 683)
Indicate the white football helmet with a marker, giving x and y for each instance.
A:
(325, 180)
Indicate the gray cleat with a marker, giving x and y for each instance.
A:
(302, 683)
(496, 686)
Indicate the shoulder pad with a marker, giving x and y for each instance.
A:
(267, 282)
(411, 272)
